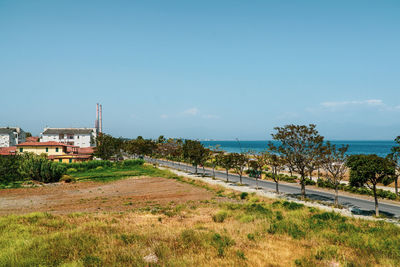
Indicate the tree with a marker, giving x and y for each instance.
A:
(108, 146)
(226, 161)
(370, 170)
(207, 156)
(394, 157)
(214, 157)
(256, 164)
(334, 164)
(141, 147)
(276, 164)
(239, 161)
(194, 152)
(299, 146)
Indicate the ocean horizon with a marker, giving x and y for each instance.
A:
(379, 147)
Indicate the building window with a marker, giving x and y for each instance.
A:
(61, 136)
(47, 149)
(59, 160)
(70, 160)
(70, 136)
(56, 149)
(21, 149)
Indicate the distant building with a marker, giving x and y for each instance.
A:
(11, 136)
(55, 151)
(80, 137)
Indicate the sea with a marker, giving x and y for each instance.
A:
(380, 148)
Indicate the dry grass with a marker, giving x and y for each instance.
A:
(250, 232)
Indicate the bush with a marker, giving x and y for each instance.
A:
(220, 216)
(244, 195)
(292, 205)
(40, 168)
(72, 170)
(67, 179)
(9, 168)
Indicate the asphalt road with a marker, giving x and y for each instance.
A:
(356, 205)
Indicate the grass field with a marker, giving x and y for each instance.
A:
(230, 230)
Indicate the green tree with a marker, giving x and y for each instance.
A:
(394, 156)
(226, 161)
(334, 164)
(194, 152)
(276, 163)
(214, 157)
(257, 164)
(299, 146)
(239, 163)
(370, 170)
(108, 146)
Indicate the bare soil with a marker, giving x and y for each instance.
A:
(114, 196)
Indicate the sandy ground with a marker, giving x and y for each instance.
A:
(115, 196)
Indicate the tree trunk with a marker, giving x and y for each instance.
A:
(318, 174)
(204, 171)
(240, 177)
(195, 169)
(303, 187)
(256, 182)
(396, 188)
(277, 186)
(227, 176)
(336, 195)
(213, 172)
(376, 201)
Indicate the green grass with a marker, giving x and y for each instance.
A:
(119, 172)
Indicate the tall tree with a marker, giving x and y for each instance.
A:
(108, 146)
(299, 146)
(194, 152)
(239, 161)
(226, 161)
(334, 164)
(394, 156)
(257, 163)
(214, 157)
(370, 170)
(276, 163)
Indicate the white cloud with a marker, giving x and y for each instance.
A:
(191, 112)
(210, 116)
(369, 102)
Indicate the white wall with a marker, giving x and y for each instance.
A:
(4, 140)
(81, 140)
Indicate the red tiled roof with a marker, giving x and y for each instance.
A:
(86, 150)
(50, 143)
(8, 150)
(32, 139)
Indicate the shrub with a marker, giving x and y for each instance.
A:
(292, 205)
(72, 170)
(67, 179)
(220, 216)
(9, 168)
(244, 195)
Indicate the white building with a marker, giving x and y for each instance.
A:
(11, 136)
(81, 137)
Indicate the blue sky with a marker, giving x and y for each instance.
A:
(202, 69)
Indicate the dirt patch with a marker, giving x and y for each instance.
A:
(116, 196)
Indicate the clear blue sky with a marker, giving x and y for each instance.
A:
(202, 69)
